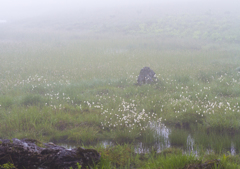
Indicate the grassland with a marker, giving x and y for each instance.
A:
(80, 89)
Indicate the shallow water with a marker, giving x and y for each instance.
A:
(164, 142)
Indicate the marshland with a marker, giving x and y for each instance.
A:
(70, 79)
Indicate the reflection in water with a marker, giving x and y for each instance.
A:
(162, 139)
(68, 146)
(104, 143)
(107, 143)
(163, 132)
(233, 149)
(161, 142)
(190, 143)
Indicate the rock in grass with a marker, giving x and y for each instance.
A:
(238, 69)
(146, 76)
(32, 154)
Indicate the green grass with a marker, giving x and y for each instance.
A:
(83, 91)
(124, 157)
(94, 86)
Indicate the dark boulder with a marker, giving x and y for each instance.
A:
(146, 76)
(32, 154)
(238, 69)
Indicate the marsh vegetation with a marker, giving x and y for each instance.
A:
(77, 88)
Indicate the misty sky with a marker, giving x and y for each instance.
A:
(18, 9)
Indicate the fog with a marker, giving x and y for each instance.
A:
(15, 10)
(70, 73)
(105, 16)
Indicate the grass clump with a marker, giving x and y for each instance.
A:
(83, 134)
(7, 166)
(33, 100)
(117, 156)
(178, 138)
(6, 102)
(171, 161)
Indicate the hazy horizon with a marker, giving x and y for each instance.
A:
(15, 10)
